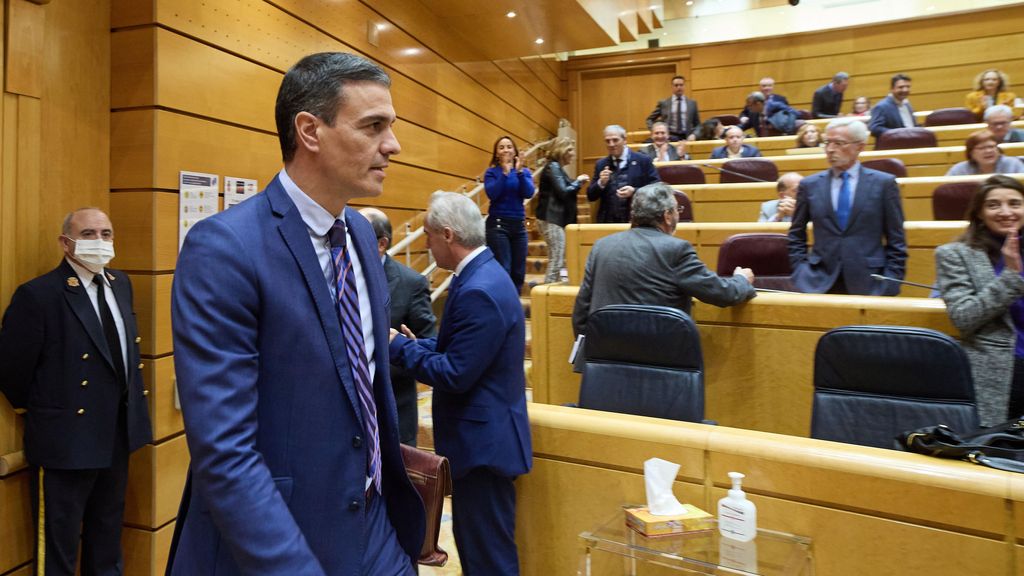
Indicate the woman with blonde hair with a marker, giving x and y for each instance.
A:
(991, 87)
(556, 204)
(808, 136)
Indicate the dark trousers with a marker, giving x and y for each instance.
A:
(1016, 408)
(86, 504)
(484, 523)
(506, 237)
(382, 555)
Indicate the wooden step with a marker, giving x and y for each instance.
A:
(536, 264)
(531, 281)
(525, 301)
(537, 248)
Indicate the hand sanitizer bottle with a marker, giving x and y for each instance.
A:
(737, 516)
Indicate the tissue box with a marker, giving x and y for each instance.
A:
(692, 520)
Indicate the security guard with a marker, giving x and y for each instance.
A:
(69, 356)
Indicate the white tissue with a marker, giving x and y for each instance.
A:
(658, 477)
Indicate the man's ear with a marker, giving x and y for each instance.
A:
(449, 235)
(307, 134)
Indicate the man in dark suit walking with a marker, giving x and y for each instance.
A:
(410, 306)
(69, 357)
(853, 208)
(279, 311)
(617, 176)
(678, 111)
(476, 368)
(648, 265)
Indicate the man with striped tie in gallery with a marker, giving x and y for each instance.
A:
(281, 352)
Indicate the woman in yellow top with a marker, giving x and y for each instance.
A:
(991, 87)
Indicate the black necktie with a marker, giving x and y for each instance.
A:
(110, 329)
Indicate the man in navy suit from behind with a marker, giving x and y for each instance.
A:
(617, 176)
(475, 366)
(853, 208)
(280, 319)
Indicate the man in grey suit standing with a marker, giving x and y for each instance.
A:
(648, 265)
(678, 111)
(853, 208)
(410, 307)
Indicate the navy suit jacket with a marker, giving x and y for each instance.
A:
(54, 361)
(856, 252)
(271, 411)
(886, 116)
(476, 368)
(746, 151)
(641, 172)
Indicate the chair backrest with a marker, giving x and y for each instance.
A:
(950, 116)
(643, 360)
(685, 206)
(727, 119)
(901, 138)
(893, 166)
(767, 254)
(759, 170)
(681, 174)
(950, 200)
(873, 382)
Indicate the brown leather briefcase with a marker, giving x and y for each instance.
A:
(432, 477)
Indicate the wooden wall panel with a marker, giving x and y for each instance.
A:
(147, 225)
(158, 375)
(526, 80)
(153, 312)
(605, 101)
(15, 521)
(145, 552)
(156, 478)
(26, 28)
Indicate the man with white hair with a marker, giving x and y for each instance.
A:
(617, 176)
(998, 118)
(475, 366)
(852, 209)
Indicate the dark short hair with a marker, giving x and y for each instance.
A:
(896, 78)
(976, 236)
(679, 77)
(316, 85)
(381, 227)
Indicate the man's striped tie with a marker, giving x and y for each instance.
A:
(352, 330)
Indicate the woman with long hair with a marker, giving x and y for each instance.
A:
(979, 277)
(508, 183)
(984, 157)
(991, 87)
(556, 204)
(808, 136)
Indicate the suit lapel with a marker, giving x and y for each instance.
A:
(860, 196)
(296, 236)
(78, 300)
(824, 199)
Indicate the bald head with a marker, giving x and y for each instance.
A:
(787, 184)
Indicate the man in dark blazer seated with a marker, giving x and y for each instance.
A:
(280, 320)
(678, 111)
(69, 357)
(411, 307)
(893, 111)
(617, 176)
(828, 100)
(853, 208)
(476, 368)
(734, 146)
(648, 265)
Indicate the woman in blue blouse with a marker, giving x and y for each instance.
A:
(508, 184)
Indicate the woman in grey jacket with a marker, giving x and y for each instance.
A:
(980, 280)
(556, 205)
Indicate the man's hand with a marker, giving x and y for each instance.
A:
(625, 192)
(786, 207)
(745, 272)
(602, 178)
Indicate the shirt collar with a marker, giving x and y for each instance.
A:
(316, 217)
(853, 170)
(469, 258)
(85, 275)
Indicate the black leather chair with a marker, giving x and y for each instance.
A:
(767, 254)
(681, 174)
(873, 382)
(643, 360)
(893, 166)
(748, 171)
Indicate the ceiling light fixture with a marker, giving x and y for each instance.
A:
(689, 2)
(511, 14)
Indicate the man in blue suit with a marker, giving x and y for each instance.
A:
(893, 111)
(617, 176)
(280, 317)
(852, 209)
(475, 366)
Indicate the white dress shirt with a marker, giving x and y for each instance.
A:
(86, 277)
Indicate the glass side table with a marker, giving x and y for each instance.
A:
(772, 553)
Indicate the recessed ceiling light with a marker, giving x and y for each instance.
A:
(511, 14)
(689, 2)
(539, 41)
(411, 51)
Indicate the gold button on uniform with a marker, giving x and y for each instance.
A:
(138, 339)
(81, 411)
(85, 356)
(85, 383)
(141, 365)
(145, 392)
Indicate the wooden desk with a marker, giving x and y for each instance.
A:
(867, 510)
(922, 239)
(758, 356)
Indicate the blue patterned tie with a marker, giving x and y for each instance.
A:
(843, 205)
(352, 330)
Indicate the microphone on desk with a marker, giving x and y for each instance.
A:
(734, 173)
(906, 282)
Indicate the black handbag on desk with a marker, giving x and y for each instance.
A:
(1000, 447)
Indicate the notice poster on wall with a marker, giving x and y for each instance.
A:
(197, 199)
(238, 189)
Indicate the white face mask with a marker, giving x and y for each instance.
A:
(94, 254)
